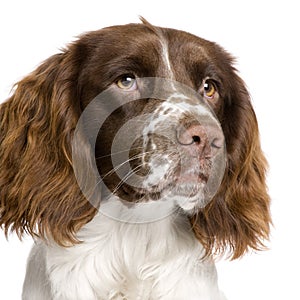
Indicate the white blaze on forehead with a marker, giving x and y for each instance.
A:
(166, 59)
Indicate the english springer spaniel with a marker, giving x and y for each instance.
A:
(133, 159)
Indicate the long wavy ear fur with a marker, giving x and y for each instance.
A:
(38, 191)
(238, 218)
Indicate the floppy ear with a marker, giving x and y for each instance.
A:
(38, 190)
(238, 218)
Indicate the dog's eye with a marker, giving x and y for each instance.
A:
(127, 82)
(209, 89)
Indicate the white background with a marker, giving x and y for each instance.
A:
(263, 35)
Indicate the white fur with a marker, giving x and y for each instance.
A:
(159, 167)
(165, 57)
(158, 260)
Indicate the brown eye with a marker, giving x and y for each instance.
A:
(127, 82)
(209, 89)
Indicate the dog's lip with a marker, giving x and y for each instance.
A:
(191, 178)
(147, 194)
(178, 180)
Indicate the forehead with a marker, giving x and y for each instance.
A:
(148, 51)
(141, 44)
(141, 35)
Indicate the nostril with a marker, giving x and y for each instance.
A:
(193, 135)
(205, 140)
(196, 139)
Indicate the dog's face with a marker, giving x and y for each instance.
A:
(172, 135)
(168, 118)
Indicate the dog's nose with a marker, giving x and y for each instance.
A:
(200, 140)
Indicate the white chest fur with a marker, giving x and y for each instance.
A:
(159, 260)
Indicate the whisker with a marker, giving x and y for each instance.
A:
(121, 165)
(125, 178)
(173, 155)
(119, 152)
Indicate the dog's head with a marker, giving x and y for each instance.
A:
(150, 114)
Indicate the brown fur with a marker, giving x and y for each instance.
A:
(38, 190)
(238, 217)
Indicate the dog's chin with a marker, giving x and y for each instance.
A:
(189, 197)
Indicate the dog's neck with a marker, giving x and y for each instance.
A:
(169, 233)
(143, 212)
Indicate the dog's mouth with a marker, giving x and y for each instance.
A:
(142, 195)
(176, 183)
(148, 175)
(162, 172)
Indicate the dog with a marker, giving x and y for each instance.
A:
(133, 159)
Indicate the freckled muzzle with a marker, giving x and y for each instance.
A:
(149, 151)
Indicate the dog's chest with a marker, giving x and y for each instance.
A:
(127, 261)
